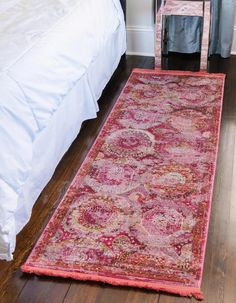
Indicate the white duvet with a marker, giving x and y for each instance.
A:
(45, 48)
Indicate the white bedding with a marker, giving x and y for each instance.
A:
(53, 67)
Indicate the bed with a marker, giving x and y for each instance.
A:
(56, 56)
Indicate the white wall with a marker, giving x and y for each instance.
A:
(234, 41)
(140, 28)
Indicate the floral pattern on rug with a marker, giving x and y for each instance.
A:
(138, 208)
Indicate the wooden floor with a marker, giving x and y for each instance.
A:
(219, 281)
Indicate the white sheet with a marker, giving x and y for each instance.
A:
(39, 78)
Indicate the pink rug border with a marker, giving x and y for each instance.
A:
(182, 291)
(178, 72)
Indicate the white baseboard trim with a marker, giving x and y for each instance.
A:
(140, 40)
(233, 51)
(139, 54)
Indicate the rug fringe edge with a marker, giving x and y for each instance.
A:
(177, 72)
(179, 290)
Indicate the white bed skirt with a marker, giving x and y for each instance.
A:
(79, 105)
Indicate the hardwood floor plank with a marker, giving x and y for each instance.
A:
(12, 286)
(43, 290)
(112, 294)
(83, 292)
(230, 279)
(230, 246)
(164, 298)
(142, 296)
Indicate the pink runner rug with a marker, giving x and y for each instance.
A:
(138, 209)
